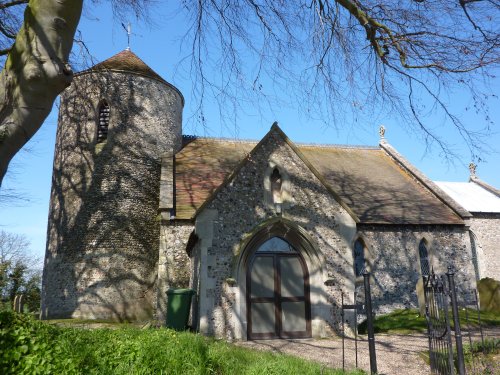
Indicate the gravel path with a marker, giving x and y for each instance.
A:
(396, 353)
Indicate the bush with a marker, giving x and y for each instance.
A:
(30, 347)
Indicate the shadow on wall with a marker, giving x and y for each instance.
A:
(103, 235)
(393, 247)
(393, 255)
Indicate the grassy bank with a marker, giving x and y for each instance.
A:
(32, 347)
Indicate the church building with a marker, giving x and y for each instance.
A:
(270, 233)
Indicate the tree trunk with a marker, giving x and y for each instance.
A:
(35, 72)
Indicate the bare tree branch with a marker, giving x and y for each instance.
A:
(9, 4)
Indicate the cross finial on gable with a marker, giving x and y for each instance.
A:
(472, 169)
(381, 131)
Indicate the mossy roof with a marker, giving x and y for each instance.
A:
(373, 185)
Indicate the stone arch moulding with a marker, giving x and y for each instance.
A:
(315, 263)
(477, 255)
(285, 229)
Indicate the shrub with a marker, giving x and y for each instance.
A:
(29, 347)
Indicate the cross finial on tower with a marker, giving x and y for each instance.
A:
(381, 131)
(472, 169)
(127, 30)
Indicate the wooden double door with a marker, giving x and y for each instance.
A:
(278, 303)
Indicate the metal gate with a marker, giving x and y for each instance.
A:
(360, 308)
(440, 307)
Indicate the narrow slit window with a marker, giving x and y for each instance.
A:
(276, 182)
(103, 122)
(424, 258)
(475, 260)
(359, 258)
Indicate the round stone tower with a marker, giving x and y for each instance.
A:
(115, 122)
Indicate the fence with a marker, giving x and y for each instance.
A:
(367, 310)
(439, 293)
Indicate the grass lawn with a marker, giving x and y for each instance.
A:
(33, 347)
(410, 320)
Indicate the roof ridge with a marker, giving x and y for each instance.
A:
(219, 139)
(424, 180)
(247, 140)
(337, 145)
(485, 186)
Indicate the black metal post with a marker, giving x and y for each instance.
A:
(369, 320)
(356, 326)
(426, 280)
(343, 334)
(456, 322)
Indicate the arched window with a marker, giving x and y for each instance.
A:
(474, 248)
(276, 182)
(359, 258)
(424, 258)
(103, 122)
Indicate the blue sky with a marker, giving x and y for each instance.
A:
(159, 46)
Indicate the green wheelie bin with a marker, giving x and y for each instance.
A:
(178, 306)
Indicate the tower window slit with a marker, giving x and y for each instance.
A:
(103, 122)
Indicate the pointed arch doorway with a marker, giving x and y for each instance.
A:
(278, 296)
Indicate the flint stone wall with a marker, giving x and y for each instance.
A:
(240, 206)
(174, 264)
(486, 227)
(103, 231)
(393, 258)
(236, 211)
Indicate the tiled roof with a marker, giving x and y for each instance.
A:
(200, 167)
(127, 61)
(376, 188)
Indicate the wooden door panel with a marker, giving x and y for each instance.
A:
(263, 318)
(263, 277)
(278, 294)
(291, 277)
(293, 316)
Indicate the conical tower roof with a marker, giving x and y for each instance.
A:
(127, 61)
